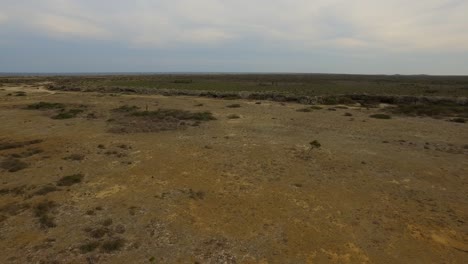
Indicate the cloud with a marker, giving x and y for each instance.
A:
(391, 25)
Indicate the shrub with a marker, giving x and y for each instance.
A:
(126, 109)
(176, 114)
(233, 116)
(45, 105)
(233, 106)
(70, 180)
(46, 189)
(42, 210)
(458, 120)
(381, 116)
(112, 244)
(89, 246)
(75, 157)
(68, 114)
(13, 165)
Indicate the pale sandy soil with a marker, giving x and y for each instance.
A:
(241, 190)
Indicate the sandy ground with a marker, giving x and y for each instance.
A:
(244, 190)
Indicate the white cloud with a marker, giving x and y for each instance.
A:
(389, 25)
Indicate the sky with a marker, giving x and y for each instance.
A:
(309, 36)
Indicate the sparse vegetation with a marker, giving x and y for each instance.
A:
(233, 116)
(380, 116)
(305, 110)
(458, 120)
(432, 110)
(348, 114)
(75, 157)
(42, 212)
(72, 113)
(126, 109)
(46, 190)
(13, 165)
(89, 246)
(45, 106)
(233, 106)
(70, 180)
(112, 244)
(13, 145)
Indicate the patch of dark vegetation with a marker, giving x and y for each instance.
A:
(13, 145)
(42, 212)
(176, 114)
(348, 114)
(432, 110)
(21, 93)
(233, 106)
(67, 114)
(304, 110)
(99, 232)
(183, 81)
(107, 222)
(126, 109)
(13, 191)
(46, 190)
(198, 105)
(458, 120)
(196, 195)
(70, 180)
(335, 100)
(316, 107)
(233, 116)
(101, 146)
(380, 116)
(89, 246)
(14, 208)
(75, 157)
(159, 120)
(45, 106)
(112, 244)
(13, 165)
(28, 153)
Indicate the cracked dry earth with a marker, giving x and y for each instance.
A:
(240, 190)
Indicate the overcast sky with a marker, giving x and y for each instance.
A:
(326, 36)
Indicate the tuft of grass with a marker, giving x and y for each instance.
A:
(13, 145)
(45, 190)
(233, 106)
(176, 114)
(304, 110)
(75, 157)
(45, 106)
(458, 120)
(316, 107)
(380, 116)
(70, 180)
(42, 210)
(126, 109)
(89, 246)
(13, 165)
(72, 113)
(112, 244)
(233, 116)
(348, 114)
